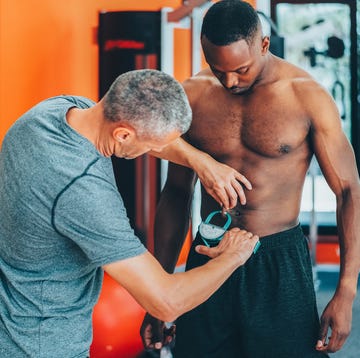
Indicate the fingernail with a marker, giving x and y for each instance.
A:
(319, 344)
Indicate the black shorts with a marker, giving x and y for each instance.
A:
(266, 309)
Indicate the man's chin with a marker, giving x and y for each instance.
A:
(239, 90)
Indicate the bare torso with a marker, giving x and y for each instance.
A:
(264, 134)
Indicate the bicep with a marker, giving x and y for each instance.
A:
(180, 179)
(332, 149)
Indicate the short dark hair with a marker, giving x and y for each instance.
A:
(229, 21)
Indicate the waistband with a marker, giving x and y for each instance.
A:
(289, 237)
(284, 238)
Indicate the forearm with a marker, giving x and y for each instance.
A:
(182, 153)
(167, 296)
(222, 182)
(171, 227)
(348, 220)
(167, 250)
(191, 288)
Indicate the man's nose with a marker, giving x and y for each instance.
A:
(230, 80)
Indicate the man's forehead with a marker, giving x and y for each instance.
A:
(228, 58)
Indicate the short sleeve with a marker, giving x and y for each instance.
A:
(90, 212)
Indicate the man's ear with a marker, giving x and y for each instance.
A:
(122, 134)
(265, 45)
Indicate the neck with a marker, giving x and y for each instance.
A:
(268, 74)
(90, 123)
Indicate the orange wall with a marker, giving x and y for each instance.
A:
(49, 47)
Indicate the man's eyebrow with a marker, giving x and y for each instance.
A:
(238, 69)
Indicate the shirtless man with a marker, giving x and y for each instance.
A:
(266, 118)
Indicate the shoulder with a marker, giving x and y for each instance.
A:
(314, 99)
(78, 101)
(200, 84)
(300, 81)
(305, 89)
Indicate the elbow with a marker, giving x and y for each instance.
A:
(166, 316)
(167, 310)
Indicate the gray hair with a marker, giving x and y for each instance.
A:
(151, 101)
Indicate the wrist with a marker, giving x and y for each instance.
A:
(231, 259)
(198, 161)
(346, 291)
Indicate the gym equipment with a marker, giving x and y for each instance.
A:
(212, 234)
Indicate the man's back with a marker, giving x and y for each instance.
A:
(36, 284)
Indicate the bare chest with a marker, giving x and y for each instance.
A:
(269, 127)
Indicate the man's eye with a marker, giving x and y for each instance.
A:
(242, 71)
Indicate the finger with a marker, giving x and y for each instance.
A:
(232, 194)
(324, 329)
(241, 178)
(330, 346)
(169, 334)
(207, 251)
(157, 334)
(222, 198)
(152, 333)
(147, 337)
(239, 192)
(235, 229)
(336, 341)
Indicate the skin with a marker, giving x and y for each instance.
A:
(221, 181)
(265, 118)
(164, 295)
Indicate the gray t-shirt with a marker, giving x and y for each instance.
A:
(61, 219)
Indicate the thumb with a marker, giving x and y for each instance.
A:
(158, 334)
(208, 251)
(324, 328)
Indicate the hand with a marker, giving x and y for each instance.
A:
(337, 316)
(154, 333)
(222, 182)
(235, 242)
